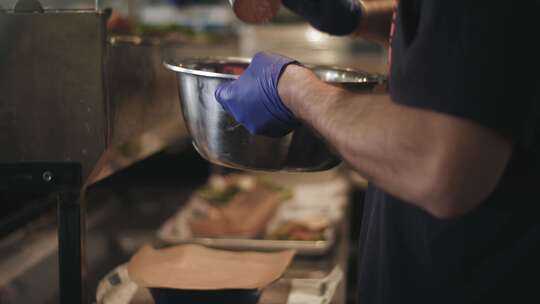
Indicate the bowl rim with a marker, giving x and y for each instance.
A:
(182, 66)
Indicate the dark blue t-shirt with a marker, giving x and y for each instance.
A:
(474, 59)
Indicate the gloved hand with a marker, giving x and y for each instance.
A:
(253, 99)
(335, 17)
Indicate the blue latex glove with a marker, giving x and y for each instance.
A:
(253, 99)
(336, 17)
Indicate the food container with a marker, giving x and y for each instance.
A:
(315, 197)
(320, 286)
(223, 141)
(236, 296)
(118, 288)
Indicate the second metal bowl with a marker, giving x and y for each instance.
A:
(223, 141)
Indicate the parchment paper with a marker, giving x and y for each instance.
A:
(195, 267)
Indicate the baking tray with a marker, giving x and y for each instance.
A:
(306, 248)
(326, 196)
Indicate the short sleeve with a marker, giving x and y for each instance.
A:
(474, 59)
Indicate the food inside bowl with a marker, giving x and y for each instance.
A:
(233, 69)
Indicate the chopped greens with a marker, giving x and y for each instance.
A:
(218, 197)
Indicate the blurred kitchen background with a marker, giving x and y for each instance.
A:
(147, 168)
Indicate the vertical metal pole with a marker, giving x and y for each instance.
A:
(71, 247)
(63, 179)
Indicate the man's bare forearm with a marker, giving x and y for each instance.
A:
(376, 20)
(429, 159)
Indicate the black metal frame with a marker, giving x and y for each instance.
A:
(65, 181)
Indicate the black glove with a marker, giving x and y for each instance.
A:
(335, 17)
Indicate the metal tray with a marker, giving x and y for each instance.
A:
(329, 189)
(305, 248)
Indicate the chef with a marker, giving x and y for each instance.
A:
(451, 152)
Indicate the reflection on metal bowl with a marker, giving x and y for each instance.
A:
(223, 141)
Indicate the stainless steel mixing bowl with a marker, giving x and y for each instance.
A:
(223, 141)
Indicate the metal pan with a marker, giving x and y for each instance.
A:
(306, 248)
